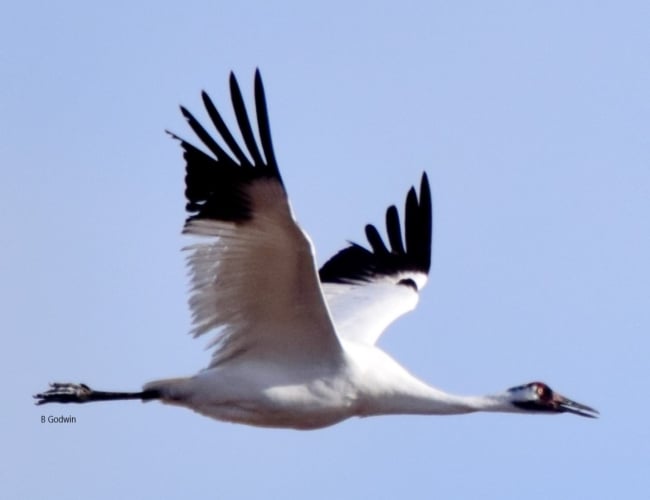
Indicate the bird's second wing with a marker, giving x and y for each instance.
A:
(252, 269)
(366, 290)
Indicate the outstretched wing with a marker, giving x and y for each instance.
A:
(366, 290)
(253, 273)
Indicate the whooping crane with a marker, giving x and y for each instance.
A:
(296, 346)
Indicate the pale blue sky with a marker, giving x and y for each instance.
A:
(532, 120)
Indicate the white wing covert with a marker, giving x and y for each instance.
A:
(253, 274)
(366, 290)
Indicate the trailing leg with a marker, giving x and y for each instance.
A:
(81, 393)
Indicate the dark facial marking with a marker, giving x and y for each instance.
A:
(544, 401)
(534, 406)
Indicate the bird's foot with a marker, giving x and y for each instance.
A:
(64, 393)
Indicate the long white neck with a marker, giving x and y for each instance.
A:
(427, 400)
(390, 389)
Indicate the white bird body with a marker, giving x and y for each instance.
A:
(302, 398)
(295, 346)
(365, 381)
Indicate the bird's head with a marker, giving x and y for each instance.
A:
(539, 397)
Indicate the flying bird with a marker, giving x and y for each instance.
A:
(294, 346)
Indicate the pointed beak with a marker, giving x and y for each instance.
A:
(563, 404)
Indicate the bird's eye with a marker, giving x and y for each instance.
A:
(543, 392)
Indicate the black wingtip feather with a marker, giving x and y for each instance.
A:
(216, 183)
(374, 238)
(223, 130)
(241, 114)
(263, 126)
(394, 230)
(357, 264)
